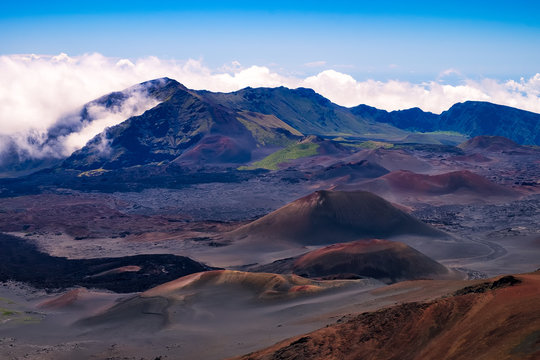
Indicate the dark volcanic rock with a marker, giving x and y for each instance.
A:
(21, 261)
(505, 281)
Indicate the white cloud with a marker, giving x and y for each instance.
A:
(448, 72)
(37, 90)
(137, 103)
(319, 63)
(430, 96)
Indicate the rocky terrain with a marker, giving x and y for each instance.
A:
(213, 225)
(498, 319)
(22, 262)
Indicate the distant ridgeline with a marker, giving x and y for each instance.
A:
(200, 126)
(471, 118)
(189, 127)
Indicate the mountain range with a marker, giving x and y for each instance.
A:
(200, 126)
(471, 118)
(189, 127)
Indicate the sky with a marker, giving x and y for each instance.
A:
(57, 55)
(409, 40)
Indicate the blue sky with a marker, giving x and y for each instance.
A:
(411, 41)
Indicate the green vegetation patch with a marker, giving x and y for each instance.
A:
(8, 312)
(17, 316)
(441, 132)
(370, 144)
(266, 136)
(291, 152)
(95, 172)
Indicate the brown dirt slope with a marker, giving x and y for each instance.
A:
(447, 183)
(215, 149)
(262, 285)
(362, 169)
(329, 217)
(64, 300)
(495, 320)
(388, 261)
(392, 159)
(489, 143)
(189, 295)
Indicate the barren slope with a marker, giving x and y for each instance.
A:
(462, 181)
(329, 217)
(384, 260)
(494, 320)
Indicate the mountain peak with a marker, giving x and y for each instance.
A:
(472, 104)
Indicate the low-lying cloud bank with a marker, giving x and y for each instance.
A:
(37, 91)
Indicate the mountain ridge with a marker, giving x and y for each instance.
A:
(472, 118)
(233, 127)
(199, 126)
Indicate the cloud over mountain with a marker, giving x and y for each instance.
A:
(38, 90)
